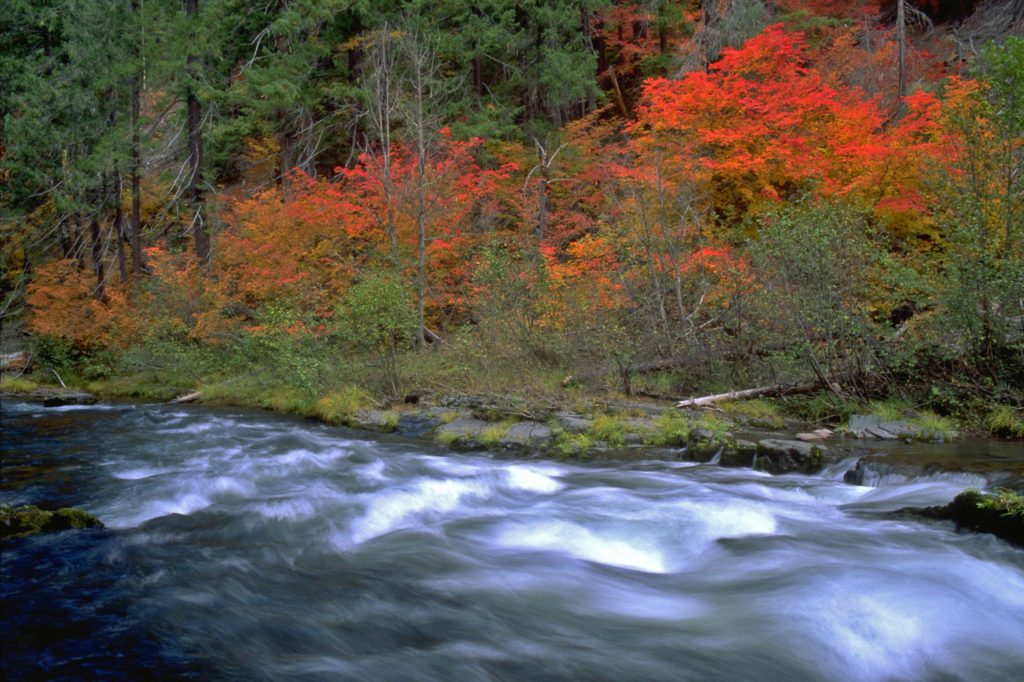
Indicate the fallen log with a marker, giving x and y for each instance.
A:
(188, 398)
(750, 393)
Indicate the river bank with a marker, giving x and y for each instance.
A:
(877, 449)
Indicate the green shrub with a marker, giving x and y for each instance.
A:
(1005, 501)
(56, 353)
(377, 316)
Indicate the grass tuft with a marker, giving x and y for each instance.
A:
(608, 430)
(341, 406)
(1005, 422)
(673, 430)
(760, 412)
(492, 435)
(934, 427)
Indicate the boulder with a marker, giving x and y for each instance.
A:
(525, 435)
(462, 432)
(19, 522)
(870, 426)
(375, 420)
(968, 512)
(778, 456)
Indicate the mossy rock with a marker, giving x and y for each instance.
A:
(19, 522)
(780, 456)
(970, 510)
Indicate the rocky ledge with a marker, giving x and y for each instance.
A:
(53, 397)
(624, 432)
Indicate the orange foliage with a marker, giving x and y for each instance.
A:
(61, 297)
(764, 124)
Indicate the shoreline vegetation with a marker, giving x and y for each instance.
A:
(758, 433)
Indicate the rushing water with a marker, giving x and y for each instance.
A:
(247, 546)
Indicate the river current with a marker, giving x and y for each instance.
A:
(245, 546)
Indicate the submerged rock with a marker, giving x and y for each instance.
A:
(19, 522)
(970, 471)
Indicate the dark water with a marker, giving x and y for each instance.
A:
(246, 546)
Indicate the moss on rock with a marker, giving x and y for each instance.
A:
(19, 522)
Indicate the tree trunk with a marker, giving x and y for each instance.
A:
(194, 192)
(122, 260)
(901, 48)
(97, 259)
(138, 257)
(709, 42)
(779, 389)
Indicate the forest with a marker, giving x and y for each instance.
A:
(289, 202)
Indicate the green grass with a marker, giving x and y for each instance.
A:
(1005, 422)
(390, 422)
(608, 430)
(890, 410)
(492, 435)
(17, 385)
(448, 438)
(340, 406)
(573, 444)
(713, 423)
(135, 386)
(673, 430)
(760, 412)
(934, 427)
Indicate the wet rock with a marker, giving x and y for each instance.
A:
(872, 427)
(462, 432)
(19, 522)
(969, 512)
(815, 436)
(525, 435)
(740, 453)
(897, 469)
(375, 420)
(56, 397)
(574, 423)
(778, 456)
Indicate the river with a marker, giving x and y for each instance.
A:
(246, 546)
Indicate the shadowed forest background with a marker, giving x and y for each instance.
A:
(299, 201)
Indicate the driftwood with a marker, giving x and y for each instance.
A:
(750, 393)
(191, 397)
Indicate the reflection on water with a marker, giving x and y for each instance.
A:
(246, 546)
